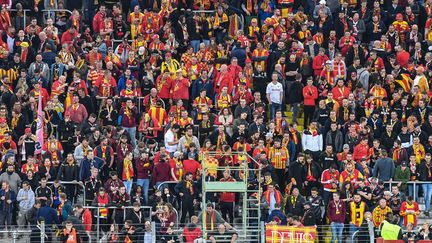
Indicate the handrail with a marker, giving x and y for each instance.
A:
(114, 207)
(43, 10)
(57, 10)
(68, 183)
(111, 207)
(167, 182)
(203, 11)
(153, 225)
(215, 153)
(408, 182)
(413, 183)
(247, 171)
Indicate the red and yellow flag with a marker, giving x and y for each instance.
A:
(290, 234)
(405, 82)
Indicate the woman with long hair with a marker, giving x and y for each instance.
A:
(226, 118)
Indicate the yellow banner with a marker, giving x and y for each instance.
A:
(290, 234)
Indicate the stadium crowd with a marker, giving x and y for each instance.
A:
(331, 98)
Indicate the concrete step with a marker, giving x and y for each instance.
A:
(299, 120)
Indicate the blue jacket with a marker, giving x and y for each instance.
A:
(49, 214)
(66, 210)
(4, 206)
(48, 58)
(240, 54)
(277, 214)
(121, 85)
(263, 15)
(62, 70)
(86, 165)
(198, 85)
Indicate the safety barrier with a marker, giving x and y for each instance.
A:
(414, 184)
(164, 233)
(45, 11)
(157, 232)
(98, 217)
(381, 240)
(323, 233)
(75, 183)
(140, 100)
(167, 183)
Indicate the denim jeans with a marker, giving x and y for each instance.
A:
(336, 229)
(220, 36)
(295, 109)
(128, 185)
(427, 192)
(5, 219)
(411, 190)
(292, 151)
(273, 108)
(326, 197)
(144, 183)
(352, 229)
(132, 133)
(195, 45)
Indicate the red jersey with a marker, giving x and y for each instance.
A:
(163, 87)
(105, 86)
(180, 89)
(191, 166)
(45, 95)
(339, 93)
(330, 180)
(76, 85)
(223, 80)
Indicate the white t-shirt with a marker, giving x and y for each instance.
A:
(170, 137)
(275, 91)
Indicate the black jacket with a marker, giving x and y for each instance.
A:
(295, 207)
(295, 95)
(295, 172)
(181, 188)
(423, 169)
(137, 236)
(66, 130)
(64, 237)
(388, 141)
(315, 169)
(309, 218)
(137, 218)
(32, 215)
(68, 172)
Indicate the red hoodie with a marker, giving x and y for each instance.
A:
(361, 151)
(191, 234)
(310, 94)
(87, 220)
(318, 64)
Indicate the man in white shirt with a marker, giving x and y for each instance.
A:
(26, 199)
(171, 138)
(274, 93)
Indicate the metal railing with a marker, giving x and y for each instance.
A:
(176, 231)
(98, 217)
(162, 184)
(45, 11)
(414, 184)
(75, 183)
(139, 100)
(245, 174)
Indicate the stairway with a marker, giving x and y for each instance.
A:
(300, 119)
(247, 223)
